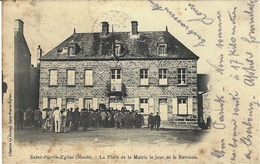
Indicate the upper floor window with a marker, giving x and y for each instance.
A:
(144, 76)
(182, 77)
(70, 77)
(116, 74)
(162, 76)
(88, 77)
(53, 77)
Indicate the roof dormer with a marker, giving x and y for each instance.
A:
(162, 47)
(72, 48)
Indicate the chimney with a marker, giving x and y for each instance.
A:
(39, 54)
(18, 27)
(134, 27)
(105, 28)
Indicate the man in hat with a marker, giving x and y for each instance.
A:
(157, 120)
(57, 119)
(76, 118)
(151, 121)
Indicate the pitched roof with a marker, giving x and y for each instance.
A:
(95, 46)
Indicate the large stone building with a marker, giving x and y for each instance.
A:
(26, 77)
(144, 71)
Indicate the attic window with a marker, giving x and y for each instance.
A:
(162, 49)
(71, 50)
(117, 49)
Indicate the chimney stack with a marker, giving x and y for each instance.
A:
(39, 54)
(134, 27)
(18, 27)
(105, 28)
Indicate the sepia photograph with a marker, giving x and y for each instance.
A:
(130, 81)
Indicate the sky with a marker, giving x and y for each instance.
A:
(48, 23)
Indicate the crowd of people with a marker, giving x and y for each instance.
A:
(62, 120)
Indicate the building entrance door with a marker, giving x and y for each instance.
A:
(163, 108)
(115, 103)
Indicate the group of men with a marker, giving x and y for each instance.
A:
(62, 120)
(154, 121)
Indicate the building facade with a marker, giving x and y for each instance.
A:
(145, 71)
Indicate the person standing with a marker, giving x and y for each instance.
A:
(103, 118)
(57, 119)
(70, 118)
(63, 119)
(76, 118)
(50, 120)
(151, 121)
(157, 120)
(44, 119)
(85, 117)
(127, 119)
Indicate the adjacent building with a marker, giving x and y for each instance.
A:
(145, 71)
(26, 77)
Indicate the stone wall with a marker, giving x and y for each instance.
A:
(130, 77)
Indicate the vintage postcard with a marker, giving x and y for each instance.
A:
(146, 81)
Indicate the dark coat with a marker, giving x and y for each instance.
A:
(151, 119)
(70, 116)
(84, 118)
(76, 116)
(157, 119)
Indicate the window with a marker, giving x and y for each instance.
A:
(162, 76)
(116, 81)
(144, 106)
(182, 78)
(117, 49)
(182, 106)
(52, 103)
(88, 77)
(53, 77)
(70, 77)
(162, 48)
(116, 74)
(71, 50)
(144, 76)
(88, 103)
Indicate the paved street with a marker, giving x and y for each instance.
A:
(112, 136)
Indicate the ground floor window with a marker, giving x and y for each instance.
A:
(88, 103)
(52, 103)
(182, 106)
(144, 108)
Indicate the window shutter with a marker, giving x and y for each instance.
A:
(88, 77)
(59, 102)
(95, 103)
(151, 105)
(190, 109)
(81, 103)
(174, 106)
(137, 104)
(44, 103)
